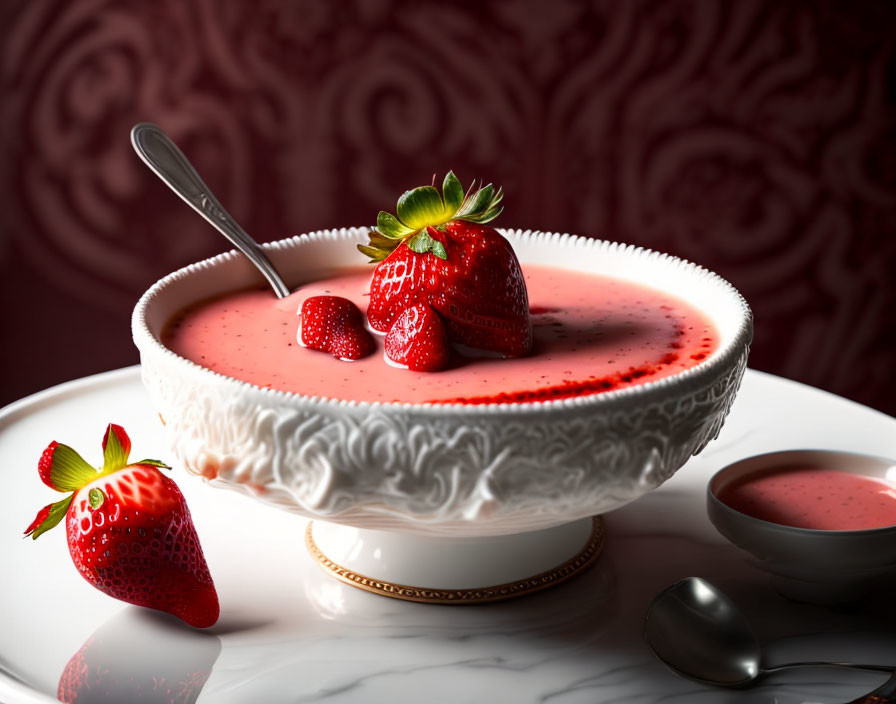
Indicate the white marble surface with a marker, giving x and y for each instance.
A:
(290, 633)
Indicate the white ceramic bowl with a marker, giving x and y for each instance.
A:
(818, 566)
(447, 470)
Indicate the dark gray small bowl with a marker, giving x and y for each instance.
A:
(817, 566)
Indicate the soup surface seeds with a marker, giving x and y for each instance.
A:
(591, 334)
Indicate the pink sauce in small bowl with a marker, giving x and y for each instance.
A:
(822, 522)
(811, 497)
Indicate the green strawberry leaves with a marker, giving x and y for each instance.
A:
(422, 207)
(116, 448)
(424, 243)
(482, 206)
(425, 207)
(452, 192)
(153, 463)
(68, 470)
(48, 517)
(65, 470)
(381, 245)
(391, 227)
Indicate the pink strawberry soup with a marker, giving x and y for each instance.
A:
(815, 498)
(591, 334)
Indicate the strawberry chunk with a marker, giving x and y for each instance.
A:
(417, 340)
(335, 325)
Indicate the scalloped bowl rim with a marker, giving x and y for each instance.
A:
(705, 371)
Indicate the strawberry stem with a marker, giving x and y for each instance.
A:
(425, 207)
(96, 497)
(65, 470)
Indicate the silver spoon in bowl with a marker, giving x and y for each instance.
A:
(168, 162)
(699, 633)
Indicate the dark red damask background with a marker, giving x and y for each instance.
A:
(756, 138)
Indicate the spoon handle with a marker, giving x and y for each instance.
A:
(891, 669)
(169, 163)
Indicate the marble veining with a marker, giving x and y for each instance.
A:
(289, 633)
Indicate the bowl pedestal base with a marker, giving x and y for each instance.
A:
(441, 570)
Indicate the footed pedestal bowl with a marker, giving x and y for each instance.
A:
(444, 503)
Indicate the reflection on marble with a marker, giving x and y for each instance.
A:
(594, 592)
(140, 656)
(579, 642)
(290, 633)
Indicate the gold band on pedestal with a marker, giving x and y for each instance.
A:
(585, 558)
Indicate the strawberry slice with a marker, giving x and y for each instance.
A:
(417, 340)
(335, 325)
(440, 252)
(129, 530)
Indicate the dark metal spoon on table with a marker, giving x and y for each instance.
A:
(699, 632)
(168, 162)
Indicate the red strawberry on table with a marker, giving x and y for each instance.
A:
(417, 340)
(335, 325)
(129, 530)
(439, 251)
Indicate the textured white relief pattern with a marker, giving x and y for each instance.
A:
(450, 470)
(392, 467)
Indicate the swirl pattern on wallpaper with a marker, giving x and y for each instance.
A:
(756, 138)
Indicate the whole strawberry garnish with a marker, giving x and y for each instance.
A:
(417, 340)
(440, 252)
(129, 530)
(335, 325)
